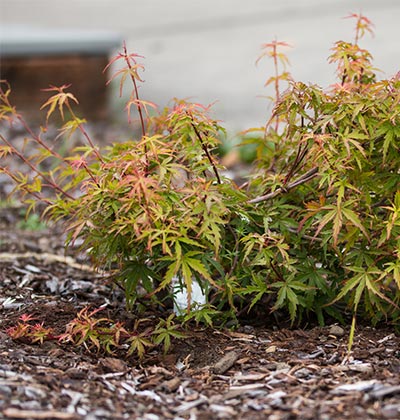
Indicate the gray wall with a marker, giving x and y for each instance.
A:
(206, 50)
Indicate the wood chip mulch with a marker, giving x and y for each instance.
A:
(263, 372)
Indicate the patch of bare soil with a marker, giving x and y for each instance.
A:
(251, 373)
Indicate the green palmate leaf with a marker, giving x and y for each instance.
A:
(362, 283)
(337, 225)
(333, 214)
(350, 285)
(134, 274)
(289, 295)
(364, 279)
(391, 134)
(352, 217)
(204, 315)
(196, 265)
(393, 268)
(191, 242)
(293, 302)
(282, 294)
(258, 287)
(138, 344)
(172, 270)
(165, 331)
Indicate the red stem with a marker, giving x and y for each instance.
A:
(277, 94)
(84, 132)
(135, 89)
(204, 147)
(33, 167)
(35, 194)
(38, 139)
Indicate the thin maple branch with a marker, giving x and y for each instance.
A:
(204, 147)
(210, 159)
(88, 171)
(305, 236)
(139, 108)
(277, 93)
(85, 133)
(312, 173)
(38, 140)
(301, 153)
(36, 170)
(24, 187)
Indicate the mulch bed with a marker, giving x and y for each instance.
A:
(254, 372)
(263, 372)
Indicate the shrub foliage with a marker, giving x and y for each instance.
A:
(313, 231)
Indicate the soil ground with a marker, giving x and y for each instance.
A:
(263, 372)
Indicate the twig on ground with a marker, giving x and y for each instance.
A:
(47, 258)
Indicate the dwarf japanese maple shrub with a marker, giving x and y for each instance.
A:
(153, 210)
(316, 224)
(342, 225)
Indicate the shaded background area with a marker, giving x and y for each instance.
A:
(206, 51)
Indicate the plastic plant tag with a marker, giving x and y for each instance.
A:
(197, 299)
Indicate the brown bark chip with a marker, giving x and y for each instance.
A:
(225, 363)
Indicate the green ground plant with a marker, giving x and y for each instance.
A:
(314, 231)
(31, 222)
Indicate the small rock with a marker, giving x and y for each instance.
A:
(325, 372)
(248, 329)
(33, 268)
(276, 394)
(5, 390)
(34, 393)
(337, 331)
(303, 373)
(361, 367)
(385, 391)
(274, 382)
(391, 411)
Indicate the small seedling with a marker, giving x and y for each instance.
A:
(32, 222)
(28, 332)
